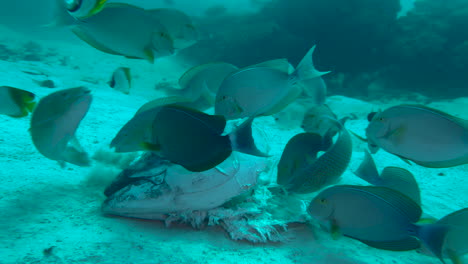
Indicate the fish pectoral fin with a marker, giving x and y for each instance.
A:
(408, 243)
(397, 135)
(149, 54)
(150, 146)
(335, 230)
(405, 160)
(358, 136)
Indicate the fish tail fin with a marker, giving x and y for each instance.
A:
(306, 69)
(243, 141)
(433, 237)
(367, 170)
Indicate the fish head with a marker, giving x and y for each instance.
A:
(228, 106)
(321, 207)
(378, 127)
(144, 199)
(81, 9)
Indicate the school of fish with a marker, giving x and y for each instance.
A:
(176, 130)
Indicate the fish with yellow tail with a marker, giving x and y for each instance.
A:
(16, 102)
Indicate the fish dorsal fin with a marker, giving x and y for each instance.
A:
(301, 151)
(217, 123)
(403, 181)
(458, 120)
(282, 65)
(368, 170)
(161, 102)
(92, 41)
(122, 5)
(397, 200)
(458, 218)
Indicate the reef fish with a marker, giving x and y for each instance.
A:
(16, 102)
(426, 136)
(121, 80)
(54, 122)
(122, 29)
(184, 136)
(265, 88)
(392, 177)
(201, 83)
(379, 217)
(301, 171)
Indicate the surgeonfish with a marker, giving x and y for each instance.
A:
(423, 135)
(201, 83)
(395, 178)
(265, 88)
(81, 9)
(16, 102)
(121, 80)
(54, 123)
(122, 29)
(301, 171)
(184, 136)
(379, 217)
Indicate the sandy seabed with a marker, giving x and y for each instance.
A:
(52, 215)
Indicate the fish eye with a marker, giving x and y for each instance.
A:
(73, 5)
(323, 201)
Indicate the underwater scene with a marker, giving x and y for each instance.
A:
(234, 131)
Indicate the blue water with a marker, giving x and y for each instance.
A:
(379, 54)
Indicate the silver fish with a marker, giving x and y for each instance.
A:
(426, 136)
(265, 88)
(122, 29)
(201, 83)
(54, 123)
